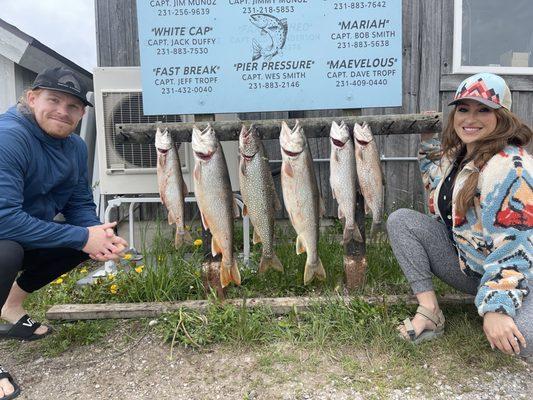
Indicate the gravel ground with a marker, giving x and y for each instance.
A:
(143, 369)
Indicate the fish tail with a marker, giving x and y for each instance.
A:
(229, 274)
(270, 262)
(181, 238)
(313, 270)
(256, 49)
(351, 232)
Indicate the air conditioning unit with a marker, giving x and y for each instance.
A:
(131, 168)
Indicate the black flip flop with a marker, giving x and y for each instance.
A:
(24, 329)
(5, 374)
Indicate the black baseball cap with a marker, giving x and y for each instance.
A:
(63, 80)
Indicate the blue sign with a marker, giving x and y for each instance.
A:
(221, 56)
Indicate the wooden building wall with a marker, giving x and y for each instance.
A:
(428, 84)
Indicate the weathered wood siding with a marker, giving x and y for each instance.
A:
(428, 84)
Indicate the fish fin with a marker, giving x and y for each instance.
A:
(228, 275)
(322, 206)
(288, 169)
(244, 211)
(256, 238)
(300, 245)
(236, 212)
(283, 21)
(204, 222)
(256, 49)
(367, 208)
(197, 172)
(267, 263)
(243, 167)
(171, 217)
(181, 238)
(351, 232)
(333, 194)
(340, 213)
(314, 270)
(277, 203)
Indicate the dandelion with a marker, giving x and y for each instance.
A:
(64, 275)
(113, 288)
(198, 242)
(111, 277)
(83, 270)
(139, 269)
(58, 281)
(127, 256)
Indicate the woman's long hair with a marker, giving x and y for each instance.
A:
(509, 130)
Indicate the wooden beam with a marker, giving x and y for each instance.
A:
(278, 305)
(269, 129)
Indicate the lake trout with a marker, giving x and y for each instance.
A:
(172, 188)
(259, 195)
(212, 188)
(301, 197)
(276, 31)
(369, 174)
(343, 178)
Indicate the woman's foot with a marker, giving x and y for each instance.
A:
(6, 388)
(427, 324)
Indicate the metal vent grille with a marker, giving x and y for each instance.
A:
(123, 108)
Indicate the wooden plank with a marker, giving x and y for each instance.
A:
(523, 83)
(269, 129)
(278, 305)
(447, 37)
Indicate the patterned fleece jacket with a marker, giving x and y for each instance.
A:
(495, 238)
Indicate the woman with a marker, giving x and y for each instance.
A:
(480, 191)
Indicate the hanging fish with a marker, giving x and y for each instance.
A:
(343, 178)
(259, 195)
(212, 188)
(172, 188)
(369, 174)
(302, 199)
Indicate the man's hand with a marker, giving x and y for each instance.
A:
(103, 244)
(502, 333)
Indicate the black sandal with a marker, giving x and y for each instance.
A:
(24, 329)
(4, 374)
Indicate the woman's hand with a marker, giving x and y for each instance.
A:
(502, 333)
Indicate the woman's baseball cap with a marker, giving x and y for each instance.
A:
(489, 89)
(63, 80)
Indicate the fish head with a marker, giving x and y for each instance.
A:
(292, 141)
(163, 141)
(204, 143)
(339, 134)
(262, 21)
(249, 142)
(362, 134)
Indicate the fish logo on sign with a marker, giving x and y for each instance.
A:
(273, 34)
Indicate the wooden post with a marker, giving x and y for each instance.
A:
(355, 252)
(211, 265)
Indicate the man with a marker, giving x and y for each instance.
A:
(43, 172)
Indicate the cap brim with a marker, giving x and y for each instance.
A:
(84, 101)
(488, 103)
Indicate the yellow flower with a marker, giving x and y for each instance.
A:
(128, 256)
(111, 277)
(198, 242)
(58, 281)
(113, 289)
(139, 269)
(64, 275)
(83, 270)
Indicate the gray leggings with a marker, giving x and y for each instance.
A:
(423, 249)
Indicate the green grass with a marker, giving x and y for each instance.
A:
(360, 337)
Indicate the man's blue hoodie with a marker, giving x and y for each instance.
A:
(41, 176)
